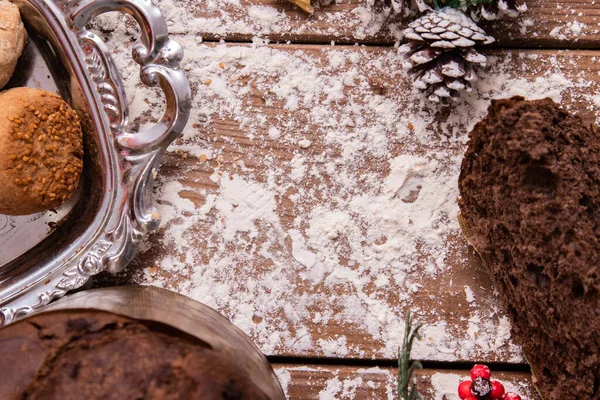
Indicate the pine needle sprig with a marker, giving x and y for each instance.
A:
(406, 367)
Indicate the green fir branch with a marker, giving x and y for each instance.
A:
(406, 367)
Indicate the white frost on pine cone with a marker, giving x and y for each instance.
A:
(421, 57)
(440, 53)
(447, 28)
(453, 69)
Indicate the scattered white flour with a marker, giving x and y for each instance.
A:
(334, 384)
(284, 377)
(570, 31)
(351, 21)
(469, 295)
(240, 204)
(330, 383)
(265, 15)
(314, 193)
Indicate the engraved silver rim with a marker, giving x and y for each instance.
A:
(127, 213)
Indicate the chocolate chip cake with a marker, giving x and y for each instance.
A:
(530, 203)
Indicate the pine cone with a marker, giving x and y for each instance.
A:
(440, 53)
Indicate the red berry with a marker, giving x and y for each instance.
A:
(511, 396)
(464, 390)
(480, 371)
(497, 391)
(471, 398)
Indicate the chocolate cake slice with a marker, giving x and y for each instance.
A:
(530, 199)
(99, 355)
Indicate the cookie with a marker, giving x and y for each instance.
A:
(12, 39)
(41, 151)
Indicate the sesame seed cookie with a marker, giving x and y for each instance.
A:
(12, 39)
(41, 151)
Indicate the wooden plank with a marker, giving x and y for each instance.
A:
(569, 24)
(559, 23)
(266, 201)
(342, 382)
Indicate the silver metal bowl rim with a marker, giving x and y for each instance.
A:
(154, 304)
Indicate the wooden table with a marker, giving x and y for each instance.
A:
(264, 275)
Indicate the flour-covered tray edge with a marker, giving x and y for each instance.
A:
(127, 161)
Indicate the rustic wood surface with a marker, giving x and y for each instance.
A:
(443, 295)
(561, 24)
(367, 383)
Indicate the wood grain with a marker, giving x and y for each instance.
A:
(242, 147)
(319, 382)
(558, 24)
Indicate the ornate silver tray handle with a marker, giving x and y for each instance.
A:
(114, 210)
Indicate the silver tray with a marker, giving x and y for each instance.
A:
(44, 256)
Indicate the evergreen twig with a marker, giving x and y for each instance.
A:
(406, 367)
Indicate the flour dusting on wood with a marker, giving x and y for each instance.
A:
(314, 192)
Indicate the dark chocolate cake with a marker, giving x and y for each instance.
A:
(530, 197)
(99, 355)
